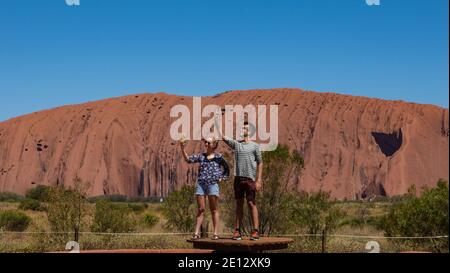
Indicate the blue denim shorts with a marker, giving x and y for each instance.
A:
(202, 189)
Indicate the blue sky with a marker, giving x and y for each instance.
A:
(52, 54)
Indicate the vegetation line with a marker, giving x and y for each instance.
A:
(274, 235)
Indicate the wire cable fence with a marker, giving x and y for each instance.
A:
(45, 241)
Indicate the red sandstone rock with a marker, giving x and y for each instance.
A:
(122, 145)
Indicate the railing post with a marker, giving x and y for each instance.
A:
(324, 241)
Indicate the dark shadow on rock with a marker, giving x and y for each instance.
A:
(388, 143)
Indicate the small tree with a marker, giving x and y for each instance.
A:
(275, 200)
(179, 209)
(427, 215)
(318, 214)
(67, 209)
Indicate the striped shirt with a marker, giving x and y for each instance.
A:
(246, 157)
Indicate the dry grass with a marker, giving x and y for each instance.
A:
(47, 243)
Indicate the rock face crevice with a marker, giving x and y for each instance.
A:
(353, 147)
(389, 143)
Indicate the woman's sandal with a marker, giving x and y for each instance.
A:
(195, 237)
(215, 237)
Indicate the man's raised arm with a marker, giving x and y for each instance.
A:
(230, 142)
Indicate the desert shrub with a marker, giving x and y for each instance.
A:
(421, 216)
(110, 198)
(112, 217)
(141, 199)
(362, 216)
(10, 197)
(150, 220)
(137, 207)
(318, 214)
(125, 199)
(13, 220)
(179, 209)
(31, 204)
(40, 193)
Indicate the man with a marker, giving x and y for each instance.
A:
(248, 178)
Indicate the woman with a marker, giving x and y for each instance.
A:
(213, 169)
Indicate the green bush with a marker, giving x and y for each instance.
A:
(179, 209)
(362, 215)
(112, 217)
(137, 207)
(149, 199)
(317, 213)
(150, 220)
(122, 198)
(40, 193)
(427, 215)
(117, 198)
(10, 197)
(110, 198)
(13, 220)
(31, 204)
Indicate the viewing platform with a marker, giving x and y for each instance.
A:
(244, 245)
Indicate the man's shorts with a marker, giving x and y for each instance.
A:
(211, 189)
(244, 187)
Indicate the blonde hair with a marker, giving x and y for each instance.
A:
(212, 139)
